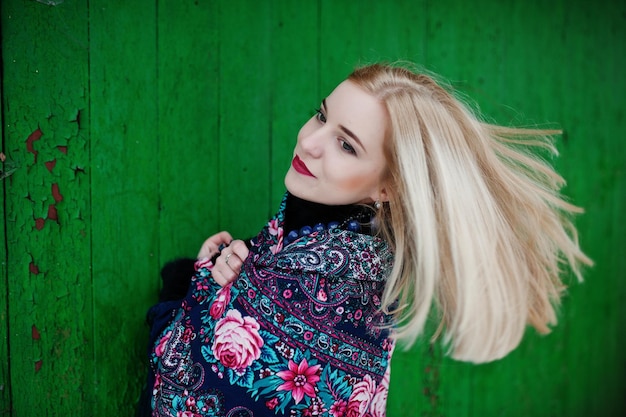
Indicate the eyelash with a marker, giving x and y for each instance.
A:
(347, 147)
(321, 117)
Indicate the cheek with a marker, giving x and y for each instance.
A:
(353, 182)
(358, 181)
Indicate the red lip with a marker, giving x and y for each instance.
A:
(300, 167)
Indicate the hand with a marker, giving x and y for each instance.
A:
(228, 264)
(211, 246)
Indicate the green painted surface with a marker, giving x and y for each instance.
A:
(162, 122)
(5, 386)
(47, 214)
(124, 193)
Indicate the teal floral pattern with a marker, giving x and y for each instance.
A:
(299, 333)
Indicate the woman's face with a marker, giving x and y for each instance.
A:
(339, 157)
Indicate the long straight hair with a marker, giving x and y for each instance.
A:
(476, 220)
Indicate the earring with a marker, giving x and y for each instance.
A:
(377, 205)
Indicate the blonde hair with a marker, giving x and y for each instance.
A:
(476, 220)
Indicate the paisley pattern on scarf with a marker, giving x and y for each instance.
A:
(298, 333)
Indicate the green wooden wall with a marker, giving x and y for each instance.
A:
(140, 127)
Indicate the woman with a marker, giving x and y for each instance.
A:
(399, 198)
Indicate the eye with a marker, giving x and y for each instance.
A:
(320, 116)
(347, 147)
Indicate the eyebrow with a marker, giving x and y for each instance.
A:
(346, 130)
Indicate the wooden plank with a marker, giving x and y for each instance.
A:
(591, 54)
(47, 213)
(244, 130)
(188, 136)
(294, 83)
(124, 149)
(5, 170)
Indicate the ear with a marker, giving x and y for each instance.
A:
(381, 195)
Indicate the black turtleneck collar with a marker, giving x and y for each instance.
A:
(299, 213)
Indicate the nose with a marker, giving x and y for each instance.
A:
(312, 140)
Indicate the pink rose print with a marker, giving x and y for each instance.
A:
(162, 343)
(361, 396)
(237, 342)
(299, 379)
(221, 301)
(379, 402)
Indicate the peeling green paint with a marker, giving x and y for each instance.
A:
(49, 315)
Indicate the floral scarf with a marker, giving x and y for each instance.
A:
(299, 332)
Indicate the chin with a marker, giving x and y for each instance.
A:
(299, 190)
(292, 184)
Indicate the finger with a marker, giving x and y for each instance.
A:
(233, 262)
(222, 280)
(210, 247)
(222, 273)
(226, 261)
(220, 238)
(219, 278)
(239, 248)
(207, 250)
